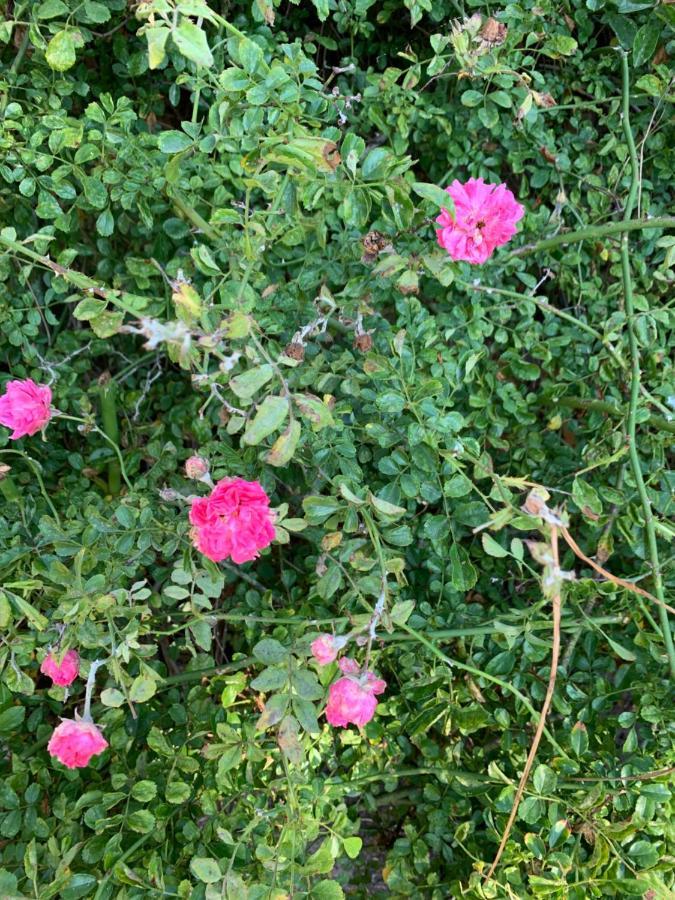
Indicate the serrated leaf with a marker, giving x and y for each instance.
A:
(434, 194)
(60, 53)
(192, 43)
(285, 446)
(206, 869)
(249, 382)
(271, 414)
(142, 689)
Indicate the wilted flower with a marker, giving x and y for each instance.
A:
(352, 698)
(62, 673)
(75, 741)
(326, 648)
(197, 468)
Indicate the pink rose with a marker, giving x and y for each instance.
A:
(25, 407)
(326, 648)
(233, 521)
(352, 699)
(349, 666)
(75, 741)
(62, 673)
(485, 218)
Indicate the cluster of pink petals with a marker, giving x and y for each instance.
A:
(324, 649)
(233, 521)
(485, 218)
(352, 698)
(26, 407)
(75, 741)
(62, 673)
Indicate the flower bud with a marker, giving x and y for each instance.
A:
(197, 468)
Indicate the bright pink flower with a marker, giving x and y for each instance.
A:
(25, 407)
(75, 741)
(351, 699)
(62, 673)
(234, 520)
(485, 218)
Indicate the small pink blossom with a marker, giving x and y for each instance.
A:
(485, 218)
(233, 521)
(62, 673)
(349, 666)
(351, 699)
(324, 650)
(197, 468)
(75, 741)
(25, 407)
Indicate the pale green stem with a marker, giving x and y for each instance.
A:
(635, 373)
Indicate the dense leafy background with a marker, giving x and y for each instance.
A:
(215, 169)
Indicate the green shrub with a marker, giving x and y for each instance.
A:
(217, 239)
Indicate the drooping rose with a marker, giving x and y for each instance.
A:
(485, 217)
(62, 673)
(352, 698)
(234, 521)
(326, 647)
(75, 741)
(25, 407)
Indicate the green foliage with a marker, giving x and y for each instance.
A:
(188, 210)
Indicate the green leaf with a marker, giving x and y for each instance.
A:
(288, 739)
(491, 547)
(141, 821)
(157, 36)
(177, 792)
(434, 194)
(321, 7)
(622, 651)
(327, 890)
(352, 846)
(314, 410)
(579, 738)
(206, 869)
(60, 53)
(249, 382)
(270, 415)
(112, 697)
(173, 141)
(11, 719)
(285, 446)
(270, 651)
(144, 791)
(646, 39)
(192, 43)
(142, 689)
(50, 9)
(229, 760)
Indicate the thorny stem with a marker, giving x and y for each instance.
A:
(89, 688)
(634, 456)
(111, 428)
(593, 231)
(555, 654)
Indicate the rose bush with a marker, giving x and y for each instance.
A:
(337, 360)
